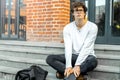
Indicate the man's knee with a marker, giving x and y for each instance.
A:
(92, 64)
(89, 64)
(49, 59)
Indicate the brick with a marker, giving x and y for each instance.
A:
(46, 19)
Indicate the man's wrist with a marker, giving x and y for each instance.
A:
(77, 65)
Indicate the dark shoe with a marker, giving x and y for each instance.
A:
(87, 77)
(59, 76)
(81, 77)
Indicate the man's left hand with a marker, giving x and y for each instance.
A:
(76, 70)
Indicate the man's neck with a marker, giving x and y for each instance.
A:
(80, 23)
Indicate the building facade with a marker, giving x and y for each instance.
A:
(44, 20)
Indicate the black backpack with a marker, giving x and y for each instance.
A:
(32, 73)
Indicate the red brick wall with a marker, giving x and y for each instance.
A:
(46, 19)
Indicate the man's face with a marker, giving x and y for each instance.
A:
(79, 13)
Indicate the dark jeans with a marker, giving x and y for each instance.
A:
(58, 63)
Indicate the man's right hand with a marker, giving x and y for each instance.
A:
(68, 71)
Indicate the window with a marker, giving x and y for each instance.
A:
(116, 18)
(13, 19)
(22, 19)
(100, 16)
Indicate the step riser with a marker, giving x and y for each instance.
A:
(53, 49)
(23, 54)
(92, 75)
(61, 50)
(25, 65)
(104, 75)
(32, 54)
(51, 70)
(27, 55)
(108, 62)
(107, 52)
(34, 47)
(56, 51)
(41, 52)
(5, 76)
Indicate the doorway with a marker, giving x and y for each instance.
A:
(106, 17)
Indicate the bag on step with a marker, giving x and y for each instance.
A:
(32, 73)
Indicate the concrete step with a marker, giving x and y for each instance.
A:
(49, 51)
(104, 76)
(105, 73)
(25, 54)
(109, 62)
(52, 46)
(41, 50)
(103, 58)
(22, 54)
(102, 47)
(109, 69)
(108, 59)
(32, 45)
(112, 70)
(1, 79)
(22, 62)
(33, 50)
(8, 73)
(56, 45)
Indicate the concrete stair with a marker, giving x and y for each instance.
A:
(17, 55)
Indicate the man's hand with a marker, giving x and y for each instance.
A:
(68, 71)
(76, 70)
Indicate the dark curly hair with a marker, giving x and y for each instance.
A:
(78, 4)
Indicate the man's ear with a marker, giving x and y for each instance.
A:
(73, 14)
(85, 15)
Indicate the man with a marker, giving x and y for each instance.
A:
(79, 38)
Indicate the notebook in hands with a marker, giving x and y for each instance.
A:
(70, 77)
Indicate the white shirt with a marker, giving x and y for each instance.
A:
(79, 42)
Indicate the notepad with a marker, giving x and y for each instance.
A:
(71, 77)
